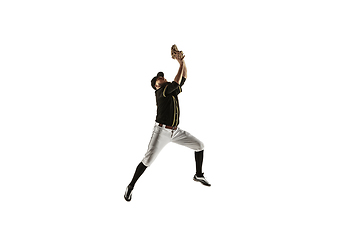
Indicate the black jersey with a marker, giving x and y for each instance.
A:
(168, 110)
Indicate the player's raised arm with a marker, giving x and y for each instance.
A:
(185, 69)
(179, 75)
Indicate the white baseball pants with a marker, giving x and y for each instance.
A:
(162, 136)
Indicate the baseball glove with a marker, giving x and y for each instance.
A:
(175, 53)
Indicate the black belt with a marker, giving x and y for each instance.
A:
(168, 127)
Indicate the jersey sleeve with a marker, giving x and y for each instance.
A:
(182, 81)
(173, 87)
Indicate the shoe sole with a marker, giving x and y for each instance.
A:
(205, 184)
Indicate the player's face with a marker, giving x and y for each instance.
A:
(160, 82)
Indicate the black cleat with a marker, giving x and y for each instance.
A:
(128, 193)
(201, 179)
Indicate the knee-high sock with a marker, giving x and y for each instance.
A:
(199, 161)
(138, 172)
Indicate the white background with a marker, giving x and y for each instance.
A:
(272, 91)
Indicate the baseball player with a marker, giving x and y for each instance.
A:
(166, 128)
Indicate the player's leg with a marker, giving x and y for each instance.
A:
(199, 156)
(140, 169)
(159, 139)
(184, 138)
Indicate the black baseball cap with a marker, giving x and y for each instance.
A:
(153, 81)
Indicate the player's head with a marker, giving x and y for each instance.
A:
(158, 81)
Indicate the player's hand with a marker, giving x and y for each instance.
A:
(180, 58)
